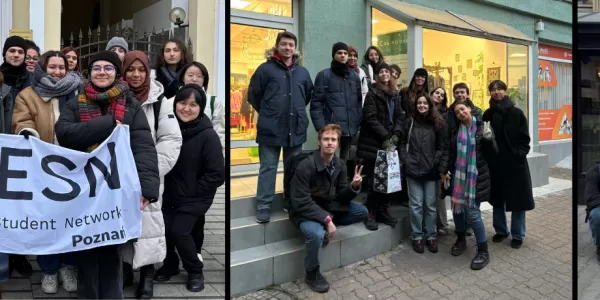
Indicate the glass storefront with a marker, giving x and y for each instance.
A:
(590, 112)
(281, 8)
(390, 36)
(248, 45)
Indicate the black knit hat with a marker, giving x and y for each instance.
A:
(14, 41)
(338, 46)
(421, 72)
(381, 66)
(200, 91)
(108, 56)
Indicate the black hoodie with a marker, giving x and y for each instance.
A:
(200, 169)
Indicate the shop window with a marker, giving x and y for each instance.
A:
(518, 62)
(248, 45)
(282, 8)
(555, 100)
(390, 36)
(590, 112)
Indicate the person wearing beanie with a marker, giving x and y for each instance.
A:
(185, 205)
(16, 79)
(84, 123)
(167, 138)
(337, 98)
(382, 128)
(418, 87)
(118, 45)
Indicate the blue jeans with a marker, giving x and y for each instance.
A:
(422, 196)
(315, 232)
(594, 221)
(3, 267)
(517, 223)
(49, 264)
(471, 217)
(267, 174)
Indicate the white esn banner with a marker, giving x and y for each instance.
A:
(56, 200)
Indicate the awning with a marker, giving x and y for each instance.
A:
(453, 22)
(588, 17)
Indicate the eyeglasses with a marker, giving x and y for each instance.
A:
(107, 68)
(31, 58)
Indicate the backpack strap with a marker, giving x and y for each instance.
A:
(327, 75)
(156, 108)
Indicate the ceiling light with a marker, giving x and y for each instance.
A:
(374, 21)
(239, 4)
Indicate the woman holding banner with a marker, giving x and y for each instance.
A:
(86, 122)
(36, 110)
(381, 128)
(191, 186)
(167, 137)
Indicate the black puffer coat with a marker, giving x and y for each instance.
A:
(73, 134)
(376, 126)
(486, 151)
(337, 100)
(511, 179)
(425, 149)
(280, 95)
(200, 169)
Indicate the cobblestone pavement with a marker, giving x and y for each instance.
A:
(588, 269)
(213, 255)
(541, 269)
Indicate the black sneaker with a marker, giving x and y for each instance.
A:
(20, 264)
(164, 274)
(499, 237)
(516, 243)
(195, 282)
(263, 216)
(371, 222)
(316, 281)
(460, 245)
(482, 258)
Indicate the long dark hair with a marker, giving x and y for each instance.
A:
(366, 56)
(186, 57)
(68, 49)
(432, 115)
(445, 100)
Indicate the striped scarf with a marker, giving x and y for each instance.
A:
(465, 176)
(91, 100)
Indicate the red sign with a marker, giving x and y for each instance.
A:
(555, 52)
(555, 124)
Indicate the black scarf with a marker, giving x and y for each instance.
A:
(12, 74)
(502, 106)
(339, 68)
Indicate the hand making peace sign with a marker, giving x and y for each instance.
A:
(357, 180)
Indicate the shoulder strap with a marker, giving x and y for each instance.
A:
(212, 105)
(412, 121)
(156, 107)
(326, 75)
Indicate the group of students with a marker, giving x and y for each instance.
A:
(177, 136)
(456, 150)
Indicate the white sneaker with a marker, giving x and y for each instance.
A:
(68, 278)
(49, 284)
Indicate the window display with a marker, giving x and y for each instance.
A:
(390, 36)
(590, 112)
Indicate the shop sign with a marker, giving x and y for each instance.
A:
(555, 124)
(546, 75)
(393, 43)
(555, 52)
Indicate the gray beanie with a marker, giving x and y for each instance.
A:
(117, 41)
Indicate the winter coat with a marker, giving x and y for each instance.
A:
(73, 134)
(151, 247)
(280, 95)
(38, 115)
(6, 104)
(425, 149)
(170, 87)
(337, 100)
(217, 117)
(486, 151)
(191, 185)
(315, 193)
(369, 73)
(592, 189)
(511, 179)
(376, 126)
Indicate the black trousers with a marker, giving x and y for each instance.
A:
(198, 233)
(178, 228)
(100, 273)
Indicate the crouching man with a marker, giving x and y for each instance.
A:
(321, 198)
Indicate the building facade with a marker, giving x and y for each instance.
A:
(527, 44)
(52, 24)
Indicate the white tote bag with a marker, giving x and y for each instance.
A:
(386, 177)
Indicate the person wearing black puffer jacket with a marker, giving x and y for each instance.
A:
(84, 123)
(191, 186)
(421, 151)
(381, 128)
(337, 98)
(471, 149)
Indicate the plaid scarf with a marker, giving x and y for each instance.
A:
(465, 176)
(91, 100)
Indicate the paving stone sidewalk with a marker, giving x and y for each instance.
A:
(541, 269)
(213, 255)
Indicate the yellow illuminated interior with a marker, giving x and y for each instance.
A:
(281, 8)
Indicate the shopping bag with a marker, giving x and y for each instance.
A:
(386, 177)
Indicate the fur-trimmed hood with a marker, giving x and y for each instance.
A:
(269, 54)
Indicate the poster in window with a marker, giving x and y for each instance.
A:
(546, 76)
(460, 69)
(555, 124)
(469, 63)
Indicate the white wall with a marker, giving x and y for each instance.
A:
(157, 15)
(36, 23)
(5, 19)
